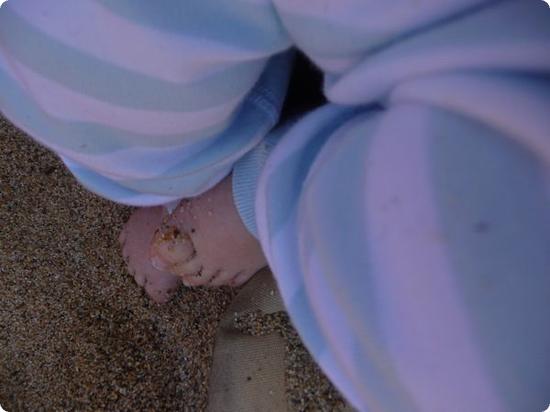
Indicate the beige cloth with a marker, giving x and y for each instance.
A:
(248, 372)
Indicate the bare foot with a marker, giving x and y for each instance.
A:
(205, 242)
(135, 240)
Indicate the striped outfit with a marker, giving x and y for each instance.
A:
(407, 221)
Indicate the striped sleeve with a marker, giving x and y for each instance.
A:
(145, 104)
(412, 251)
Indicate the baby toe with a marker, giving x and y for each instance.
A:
(169, 249)
(202, 278)
(139, 277)
(162, 287)
(240, 278)
(122, 237)
(191, 267)
(221, 279)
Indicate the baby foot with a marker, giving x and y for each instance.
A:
(205, 242)
(135, 240)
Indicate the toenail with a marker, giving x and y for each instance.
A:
(169, 234)
(157, 263)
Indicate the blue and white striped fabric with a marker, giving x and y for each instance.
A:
(407, 222)
(145, 104)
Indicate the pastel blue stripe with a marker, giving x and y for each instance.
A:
(296, 166)
(252, 124)
(242, 135)
(187, 177)
(257, 115)
(495, 213)
(283, 190)
(300, 310)
(250, 26)
(271, 90)
(323, 37)
(246, 173)
(286, 188)
(91, 138)
(332, 213)
(111, 190)
(97, 78)
(332, 224)
(84, 137)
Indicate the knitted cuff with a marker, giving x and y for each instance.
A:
(246, 173)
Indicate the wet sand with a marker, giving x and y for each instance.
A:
(76, 333)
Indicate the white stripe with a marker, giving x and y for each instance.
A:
(65, 104)
(136, 162)
(335, 65)
(94, 30)
(515, 106)
(338, 358)
(377, 18)
(427, 330)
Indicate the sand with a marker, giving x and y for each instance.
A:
(76, 333)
